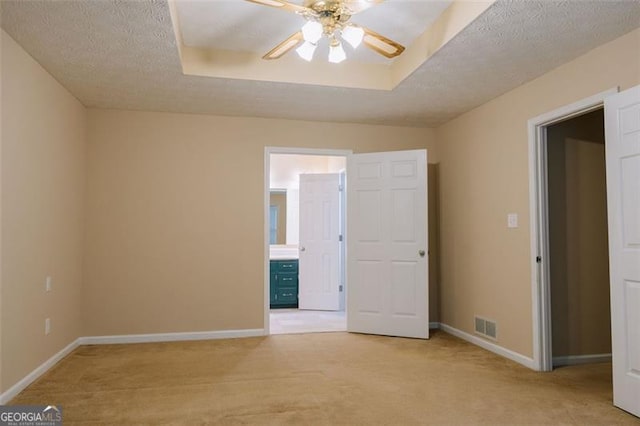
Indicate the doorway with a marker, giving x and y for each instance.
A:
(545, 221)
(386, 288)
(293, 305)
(578, 241)
(622, 153)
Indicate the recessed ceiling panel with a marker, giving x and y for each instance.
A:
(242, 26)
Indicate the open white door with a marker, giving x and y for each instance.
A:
(622, 126)
(319, 276)
(387, 279)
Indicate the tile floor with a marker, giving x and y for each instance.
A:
(288, 321)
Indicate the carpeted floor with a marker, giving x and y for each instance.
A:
(317, 379)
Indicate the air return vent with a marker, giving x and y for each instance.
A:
(486, 327)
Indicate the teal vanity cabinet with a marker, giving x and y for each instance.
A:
(284, 283)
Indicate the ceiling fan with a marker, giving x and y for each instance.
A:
(330, 19)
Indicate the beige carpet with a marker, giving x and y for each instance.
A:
(316, 379)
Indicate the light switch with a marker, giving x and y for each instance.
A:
(512, 220)
(47, 284)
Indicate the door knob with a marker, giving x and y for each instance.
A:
(421, 253)
(302, 249)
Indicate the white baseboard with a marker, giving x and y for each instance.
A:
(14, 390)
(559, 361)
(490, 346)
(224, 334)
(170, 337)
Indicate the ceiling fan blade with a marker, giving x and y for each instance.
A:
(284, 47)
(357, 6)
(284, 5)
(380, 44)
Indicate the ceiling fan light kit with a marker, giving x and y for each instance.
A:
(329, 19)
(336, 52)
(306, 50)
(312, 31)
(353, 35)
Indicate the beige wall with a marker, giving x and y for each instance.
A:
(43, 135)
(485, 268)
(285, 171)
(286, 168)
(161, 253)
(579, 262)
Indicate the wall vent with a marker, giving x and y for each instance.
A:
(490, 329)
(486, 327)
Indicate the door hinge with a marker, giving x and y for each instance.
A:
(340, 238)
(538, 259)
(340, 188)
(340, 287)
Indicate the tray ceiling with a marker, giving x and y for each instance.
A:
(248, 27)
(124, 55)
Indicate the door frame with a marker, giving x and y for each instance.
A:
(539, 221)
(267, 176)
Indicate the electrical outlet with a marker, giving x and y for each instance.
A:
(47, 284)
(47, 326)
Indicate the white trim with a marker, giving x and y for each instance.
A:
(170, 337)
(14, 390)
(559, 361)
(540, 297)
(308, 151)
(492, 347)
(268, 150)
(434, 326)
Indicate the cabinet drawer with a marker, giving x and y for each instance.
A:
(287, 266)
(288, 295)
(287, 279)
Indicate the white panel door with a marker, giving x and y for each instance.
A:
(319, 275)
(387, 279)
(622, 125)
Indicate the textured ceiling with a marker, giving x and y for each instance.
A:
(243, 26)
(123, 55)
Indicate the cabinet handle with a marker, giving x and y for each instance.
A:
(287, 294)
(287, 279)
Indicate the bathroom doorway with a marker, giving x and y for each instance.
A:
(306, 251)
